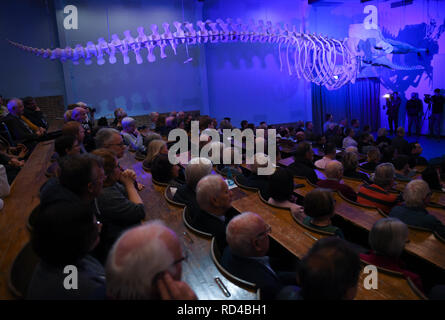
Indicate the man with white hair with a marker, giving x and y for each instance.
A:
(417, 195)
(334, 173)
(145, 263)
(131, 135)
(215, 206)
(246, 257)
(19, 130)
(196, 169)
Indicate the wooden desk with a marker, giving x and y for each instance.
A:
(298, 241)
(24, 197)
(199, 271)
(422, 244)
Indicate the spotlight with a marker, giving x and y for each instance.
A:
(335, 77)
(387, 96)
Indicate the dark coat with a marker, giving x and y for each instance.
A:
(304, 168)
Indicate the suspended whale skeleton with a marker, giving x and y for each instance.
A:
(318, 59)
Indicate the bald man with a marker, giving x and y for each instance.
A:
(246, 256)
(334, 173)
(145, 263)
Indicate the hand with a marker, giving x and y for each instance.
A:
(131, 173)
(140, 186)
(126, 178)
(170, 289)
(16, 163)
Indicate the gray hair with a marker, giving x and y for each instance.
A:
(334, 169)
(240, 232)
(12, 103)
(384, 174)
(196, 169)
(127, 121)
(133, 277)
(154, 148)
(208, 187)
(104, 135)
(415, 193)
(388, 237)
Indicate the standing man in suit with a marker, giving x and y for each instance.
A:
(393, 104)
(414, 110)
(437, 101)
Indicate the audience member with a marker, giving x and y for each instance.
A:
(64, 233)
(196, 169)
(403, 172)
(309, 131)
(145, 263)
(73, 128)
(67, 145)
(119, 202)
(349, 140)
(164, 172)
(18, 128)
(415, 150)
(432, 177)
(119, 114)
(350, 165)
(155, 148)
(382, 137)
(377, 194)
(33, 113)
(281, 188)
(389, 152)
(372, 160)
(131, 136)
(355, 125)
(329, 119)
(4, 185)
(399, 142)
(413, 212)
(330, 153)
(303, 166)
(319, 206)
(110, 139)
(334, 174)
(387, 239)
(246, 254)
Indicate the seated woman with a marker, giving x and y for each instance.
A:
(163, 171)
(119, 203)
(387, 239)
(281, 187)
(65, 239)
(319, 206)
(373, 158)
(131, 136)
(350, 165)
(154, 148)
(195, 171)
(431, 176)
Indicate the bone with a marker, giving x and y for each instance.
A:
(78, 54)
(101, 47)
(117, 43)
(169, 36)
(202, 33)
(111, 53)
(233, 30)
(214, 33)
(190, 33)
(133, 45)
(224, 34)
(56, 54)
(90, 51)
(69, 53)
(244, 35)
(253, 37)
(179, 34)
(156, 37)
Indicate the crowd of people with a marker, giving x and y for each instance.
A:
(91, 213)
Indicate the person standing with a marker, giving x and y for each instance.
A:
(414, 110)
(437, 101)
(393, 105)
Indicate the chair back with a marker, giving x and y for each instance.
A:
(168, 195)
(186, 217)
(22, 270)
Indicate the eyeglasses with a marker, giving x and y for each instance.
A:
(264, 233)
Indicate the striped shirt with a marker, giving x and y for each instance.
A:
(375, 196)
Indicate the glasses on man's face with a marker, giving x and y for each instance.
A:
(264, 233)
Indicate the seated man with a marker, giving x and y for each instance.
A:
(334, 173)
(34, 114)
(330, 153)
(403, 172)
(145, 264)
(377, 194)
(399, 142)
(63, 234)
(319, 206)
(18, 128)
(329, 271)
(119, 114)
(413, 212)
(112, 140)
(415, 158)
(131, 136)
(80, 114)
(349, 140)
(246, 254)
(195, 170)
(80, 181)
(303, 166)
(215, 203)
(373, 158)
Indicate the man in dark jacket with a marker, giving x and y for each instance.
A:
(33, 113)
(303, 166)
(399, 142)
(414, 110)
